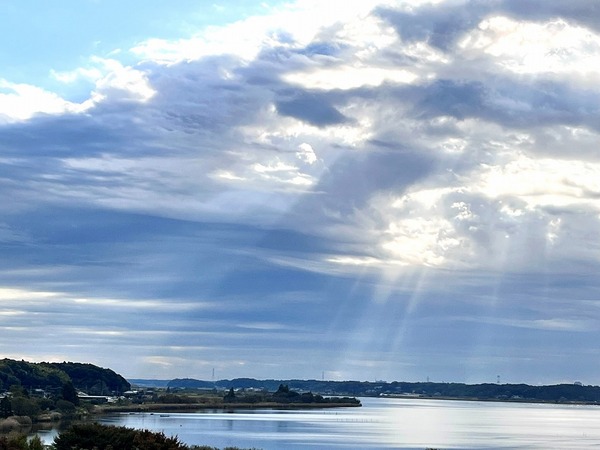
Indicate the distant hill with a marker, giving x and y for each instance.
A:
(93, 379)
(87, 377)
(191, 383)
(148, 383)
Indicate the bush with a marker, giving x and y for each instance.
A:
(175, 399)
(65, 407)
(93, 436)
(9, 424)
(22, 406)
(102, 437)
(19, 442)
(16, 442)
(35, 443)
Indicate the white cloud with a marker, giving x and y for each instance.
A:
(553, 47)
(20, 102)
(243, 39)
(361, 41)
(418, 233)
(348, 77)
(505, 216)
(86, 73)
(21, 295)
(306, 153)
(122, 82)
(295, 25)
(542, 182)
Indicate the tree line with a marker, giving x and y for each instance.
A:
(575, 392)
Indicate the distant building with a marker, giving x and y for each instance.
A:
(95, 398)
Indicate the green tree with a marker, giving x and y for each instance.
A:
(5, 408)
(230, 396)
(13, 442)
(35, 443)
(22, 406)
(283, 389)
(65, 407)
(16, 390)
(69, 393)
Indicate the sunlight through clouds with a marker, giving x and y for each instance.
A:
(430, 231)
(555, 47)
(349, 77)
(544, 182)
(374, 186)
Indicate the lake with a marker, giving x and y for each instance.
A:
(409, 423)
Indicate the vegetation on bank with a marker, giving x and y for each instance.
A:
(20, 407)
(195, 399)
(33, 392)
(286, 397)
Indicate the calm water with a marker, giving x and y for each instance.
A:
(383, 424)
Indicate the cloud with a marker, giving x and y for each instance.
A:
(357, 183)
(22, 101)
(438, 25)
(578, 11)
(306, 153)
(310, 108)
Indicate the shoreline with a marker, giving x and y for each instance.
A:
(490, 400)
(175, 407)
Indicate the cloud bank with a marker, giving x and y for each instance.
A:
(388, 190)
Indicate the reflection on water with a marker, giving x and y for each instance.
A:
(382, 424)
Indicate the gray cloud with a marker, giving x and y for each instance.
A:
(578, 11)
(440, 25)
(311, 108)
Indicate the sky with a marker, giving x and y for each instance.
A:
(347, 190)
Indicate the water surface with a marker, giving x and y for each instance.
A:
(383, 424)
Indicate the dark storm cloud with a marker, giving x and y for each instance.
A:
(353, 179)
(196, 97)
(442, 25)
(583, 12)
(149, 255)
(456, 99)
(310, 107)
(438, 25)
(322, 49)
(506, 102)
(73, 135)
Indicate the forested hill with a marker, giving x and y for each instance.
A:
(487, 391)
(87, 377)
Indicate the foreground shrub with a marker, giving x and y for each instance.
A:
(19, 442)
(89, 436)
(93, 436)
